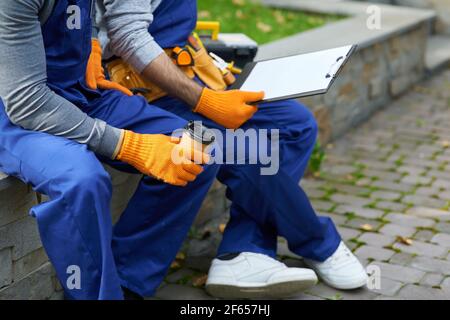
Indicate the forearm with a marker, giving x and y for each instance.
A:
(166, 75)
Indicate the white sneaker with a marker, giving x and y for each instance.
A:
(342, 270)
(252, 275)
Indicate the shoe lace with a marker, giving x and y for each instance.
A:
(342, 257)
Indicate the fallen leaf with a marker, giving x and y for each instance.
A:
(239, 2)
(445, 143)
(175, 265)
(279, 18)
(366, 227)
(200, 281)
(240, 14)
(180, 256)
(404, 240)
(264, 27)
(222, 227)
(204, 14)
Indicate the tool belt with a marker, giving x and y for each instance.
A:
(203, 67)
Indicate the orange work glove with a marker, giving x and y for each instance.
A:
(153, 155)
(95, 74)
(230, 109)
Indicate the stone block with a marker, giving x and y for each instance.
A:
(29, 263)
(399, 273)
(431, 265)
(22, 235)
(37, 286)
(5, 267)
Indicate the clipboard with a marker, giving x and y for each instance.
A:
(294, 76)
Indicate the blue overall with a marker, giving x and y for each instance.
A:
(263, 207)
(75, 224)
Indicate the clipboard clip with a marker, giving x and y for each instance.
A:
(333, 69)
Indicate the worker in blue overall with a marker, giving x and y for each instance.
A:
(141, 42)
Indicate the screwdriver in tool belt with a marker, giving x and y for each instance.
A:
(223, 66)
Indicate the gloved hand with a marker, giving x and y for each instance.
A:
(153, 155)
(95, 74)
(228, 108)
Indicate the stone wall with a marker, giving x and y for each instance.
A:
(25, 272)
(442, 8)
(374, 76)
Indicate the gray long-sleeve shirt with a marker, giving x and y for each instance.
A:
(123, 30)
(28, 100)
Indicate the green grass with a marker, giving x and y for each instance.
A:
(261, 23)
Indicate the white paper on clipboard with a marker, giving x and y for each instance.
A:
(295, 76)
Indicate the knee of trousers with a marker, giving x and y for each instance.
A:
(86, 186)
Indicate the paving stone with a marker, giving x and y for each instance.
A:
(382, 175)
(442, 239)
(349, 199)
(337, 219)
(178, 275)
(372, 164)
(415, 180)
(304, 296)
(414, 199)
(423, 235)
(442, 227)
(422, 248)
(427, 191)
(400, 273)
(359, 211)
(409, 221)
(339, 170)
(370, 252)
(179, 292)
(385, 195)
(316, 193)
(389, 185)
(431, 265)
(442, 184)
(320, 205)
(347, 233)
(411, 170)
(391, 206)
(445, 285)
(414, 292)
(283, 250)
(350, 189)
(442, 215)
(432, 279)
(324, 291)
(444, 195)
(402, 259)
(376, 239)
(395, 230)
(388, 287)
(312, 183)
(201, 264)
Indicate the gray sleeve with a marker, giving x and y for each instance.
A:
(28, 100)
(127, 24)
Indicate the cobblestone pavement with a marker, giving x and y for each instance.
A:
(386, 185)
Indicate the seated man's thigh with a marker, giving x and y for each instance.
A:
(46, 161)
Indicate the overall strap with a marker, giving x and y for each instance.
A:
(46, 11)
